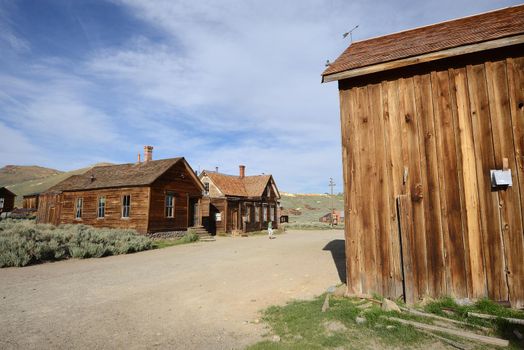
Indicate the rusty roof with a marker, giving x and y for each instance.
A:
(121, 175)
(231, 185)
(446, 35)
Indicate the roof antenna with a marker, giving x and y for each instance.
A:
(350, 33)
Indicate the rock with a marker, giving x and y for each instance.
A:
(388, 305)
(298, 337)
(464, 302)
(425, 301)
(256, 321)
(275, 338)
(390, 327)
(360, 320)
(518, 334)
(325, 306)
(340, 291)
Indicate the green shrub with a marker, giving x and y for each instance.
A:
(25, 242)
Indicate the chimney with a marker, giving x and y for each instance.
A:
(148, 153)
(242, 171)
(216, 169)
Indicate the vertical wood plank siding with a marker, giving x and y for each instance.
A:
(417, 147)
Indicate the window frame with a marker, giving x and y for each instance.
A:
(101, 200)
(124, 206)
(169, 208)
(2, 202)
(79, 209)
(272, 213)
(264, 213)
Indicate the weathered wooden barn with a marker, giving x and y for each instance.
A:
(239, 203)
(426, 115)
(150, 196)
(30, 201)
(7, 200)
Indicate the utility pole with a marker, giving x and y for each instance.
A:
(332, 184)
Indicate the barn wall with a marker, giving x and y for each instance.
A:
(113, 211)
(49, 208)
(30, 202)
(417, 149)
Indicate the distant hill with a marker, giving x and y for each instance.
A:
(11, 174)
(308, 208)
(38, 183)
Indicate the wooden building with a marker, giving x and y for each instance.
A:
(239, 203)
(150, 196)
(7, 200)
(326, 218)
(30, 201)
(426, 115)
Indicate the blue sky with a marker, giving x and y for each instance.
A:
(221, 83)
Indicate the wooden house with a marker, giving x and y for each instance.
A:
(30, 201)
(238, 203)
(326, 218)
(150, 196)
(7, 200)
(427, 115)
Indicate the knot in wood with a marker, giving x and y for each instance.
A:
(407, 117)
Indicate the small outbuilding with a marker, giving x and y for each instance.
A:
(30, 201)
(433, 159)
(7, 200)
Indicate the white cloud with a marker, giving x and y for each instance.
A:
(224, 83)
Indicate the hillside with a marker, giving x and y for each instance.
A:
(41, 184)
(12, 174)
(308, 208)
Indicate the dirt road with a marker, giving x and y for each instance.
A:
(197, 296)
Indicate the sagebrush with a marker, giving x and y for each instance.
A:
(25, 242)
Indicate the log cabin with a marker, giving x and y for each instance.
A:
(238, 203)
(432, 146)
(7, 200)
(149, 196)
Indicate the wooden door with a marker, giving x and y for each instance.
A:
(196, 213)
(234, 220)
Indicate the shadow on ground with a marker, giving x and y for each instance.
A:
(337, 247)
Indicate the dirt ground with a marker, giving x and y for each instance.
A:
(199, 296)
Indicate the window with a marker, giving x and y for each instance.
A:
(268, 192)
(78, 208)
(206, 187)
(2, 203)
(257, 213)
(101, 207)
(264, 213)
(126, 206)
(271, 213)
(170, 205)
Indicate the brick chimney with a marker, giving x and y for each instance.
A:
(148, 153)
(242, 171)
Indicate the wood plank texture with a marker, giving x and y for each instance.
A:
(422, 217)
